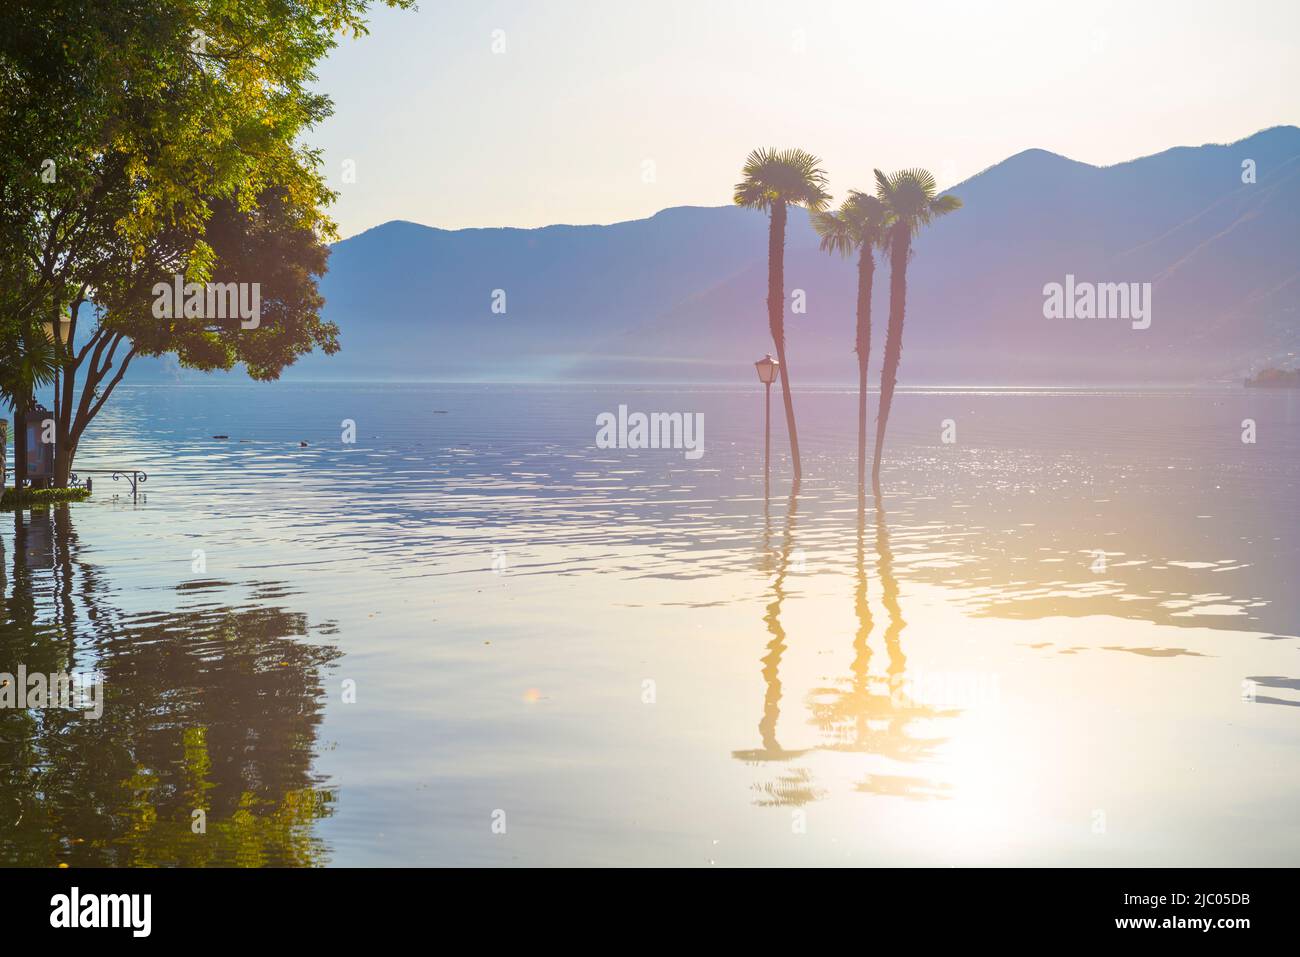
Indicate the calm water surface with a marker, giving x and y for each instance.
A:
(1070, 636)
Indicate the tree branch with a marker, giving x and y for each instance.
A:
(121, 371)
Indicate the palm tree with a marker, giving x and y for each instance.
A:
(27, 363)
(775, 180)
(857, 226)
(910, 203)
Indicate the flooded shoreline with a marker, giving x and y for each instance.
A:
(1070, 636)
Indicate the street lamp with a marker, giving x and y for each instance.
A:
(65, 323)
(61, 343)
(767, 367)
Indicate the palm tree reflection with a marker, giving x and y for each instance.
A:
(211, 709)
(863, 713)
(885, 724)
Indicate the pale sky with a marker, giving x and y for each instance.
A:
(589, 100)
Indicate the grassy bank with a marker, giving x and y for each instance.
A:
(40, 497)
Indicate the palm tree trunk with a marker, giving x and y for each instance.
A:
(776, 319)
(866, 275)
(899, 247)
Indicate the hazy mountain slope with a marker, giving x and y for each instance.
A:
(1222, 257)
(681, 295)
(427, 295)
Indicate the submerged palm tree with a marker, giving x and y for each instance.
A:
(857, 226)
(775, 180)
(910, 203)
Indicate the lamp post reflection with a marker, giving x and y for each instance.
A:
(795, 787)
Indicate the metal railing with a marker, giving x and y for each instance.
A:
(136, 477)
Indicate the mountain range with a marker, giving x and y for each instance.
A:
(680, 296)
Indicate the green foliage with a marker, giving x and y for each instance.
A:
(792, 177)
(909, 198)
(270, 246)
(11, 501)
(145, 139)
(860, 221)
(215, 709)
(27, 365)
(156, 115)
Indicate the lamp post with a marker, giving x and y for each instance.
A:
(767, 367)
(65, 323)
(59, 336)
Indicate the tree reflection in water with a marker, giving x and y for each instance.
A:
(213, 709)
(862, 713)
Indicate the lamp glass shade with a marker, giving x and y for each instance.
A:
(767, 367)
(65, 323)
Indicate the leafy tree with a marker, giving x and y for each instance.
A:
(264, 245)
(131, 134)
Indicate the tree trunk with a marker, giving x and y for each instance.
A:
(75, 417)
(66, 446)
(900, 243)
(776, 319)
(866, 277)
(63, 456)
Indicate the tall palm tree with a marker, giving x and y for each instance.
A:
(773, 181)
(910, 203)
(857, 226)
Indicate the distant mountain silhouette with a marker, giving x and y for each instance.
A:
(680, 296)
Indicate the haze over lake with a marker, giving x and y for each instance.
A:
(1067, 637)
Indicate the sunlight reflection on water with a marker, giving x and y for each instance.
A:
(1059, 616)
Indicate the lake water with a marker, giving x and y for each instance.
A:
(1070, 636)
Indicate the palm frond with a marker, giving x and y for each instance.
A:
(909, 197)
(793, 176)
(838, 234)
(871, 216)
(945, 204)
(752, 195)
(29, 363)
(861, 220)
